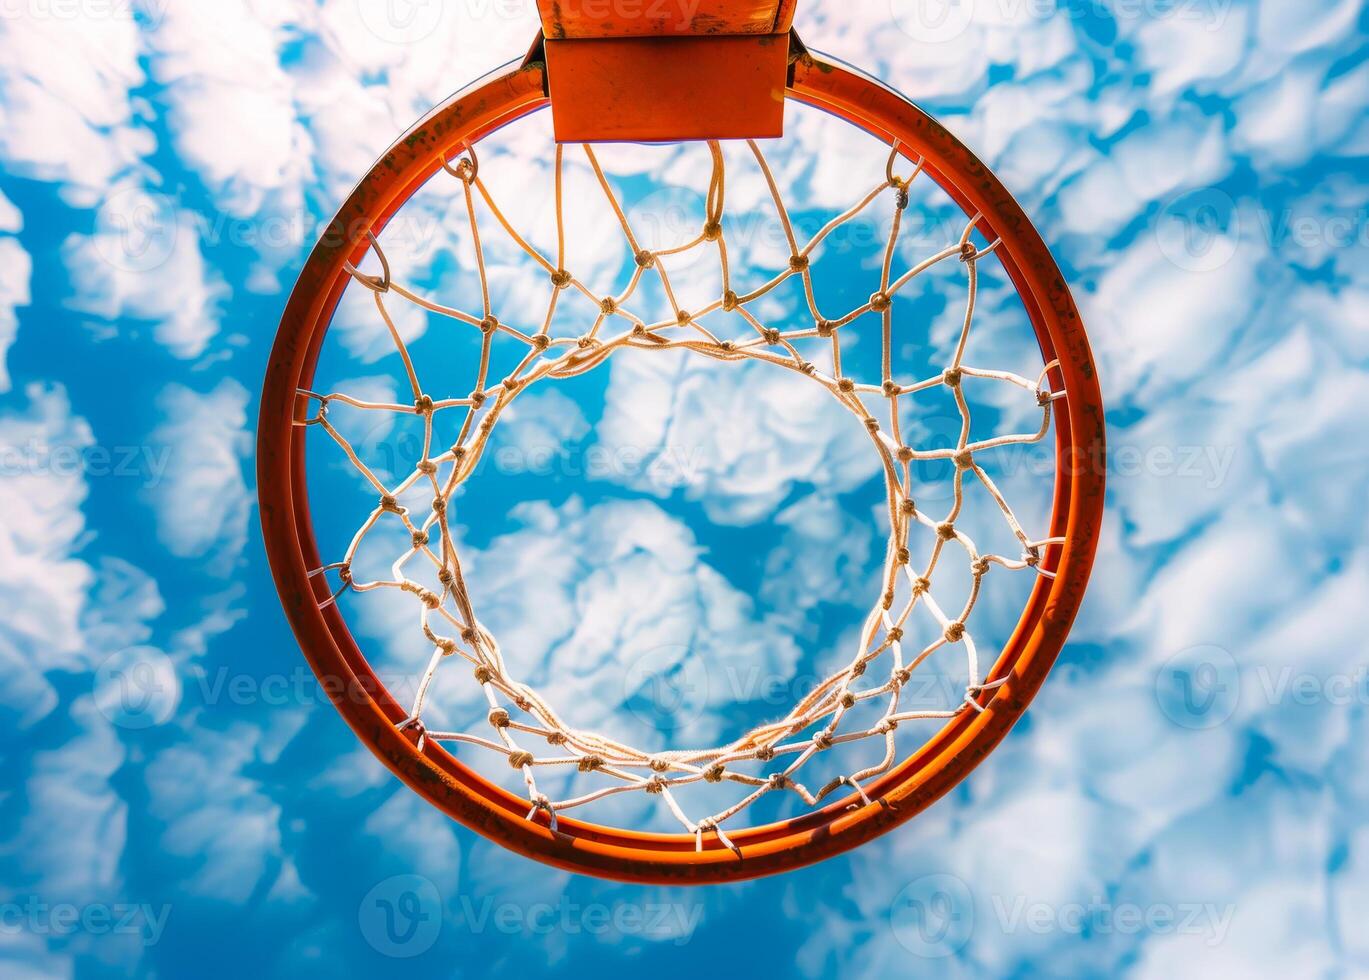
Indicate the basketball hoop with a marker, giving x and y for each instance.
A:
(865, 800)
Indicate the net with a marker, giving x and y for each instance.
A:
(861, 702)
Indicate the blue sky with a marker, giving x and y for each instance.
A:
(1186, 795)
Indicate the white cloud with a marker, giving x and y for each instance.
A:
(16, 268)
(65, 109)
(201, 504)
(144, 263)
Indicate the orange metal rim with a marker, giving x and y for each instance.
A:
(929, 772)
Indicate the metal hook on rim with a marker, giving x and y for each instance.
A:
(467, 169)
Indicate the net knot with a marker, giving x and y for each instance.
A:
(478, 399)
(344, 573)
(590, 763)
(765, 753)
(901, 198)
(772, 336)
(895, 634)
(644, 258)
(683, 317)
(964, 459)
(951, 377)
(585, 342)
(968, 252)
(608, 305)
(446, 645)
(798, 263)
(846, 385)
(560, 278)
(439, 505)
(541, 341)
(489, 324)
(879, 302)
(807, 367)
(848, 700)
(825, 328)
(955, 632)
(389, 504)
(420, 538)
(520, 759)
(423, 404)
(468, 634)
(905, 454)
(908, 507)
(903, 556)
(1044, 398)
(872, 423)
(886, 726)
(891, 388)
(945, 531)
(778, 780)
(729, 301)
(887, 600)
(922, 585)
(822, 741)
(483, 674)
(556, 738)
(466, 169)
(499, 718)
(512, 384)
(658, 764)
(427, 467)
(980, 566)
(902, 675)
(654, 785)
(714, 773)
(713, 230)
(446, 577)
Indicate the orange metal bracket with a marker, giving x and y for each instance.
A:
(665, 89)
(666, 70)
(663, 18)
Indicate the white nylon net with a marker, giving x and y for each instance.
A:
(859, 703)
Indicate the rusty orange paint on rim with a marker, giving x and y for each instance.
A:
(919, 780)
